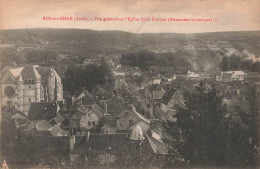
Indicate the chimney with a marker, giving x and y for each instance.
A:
(72, 100)
(72, 143)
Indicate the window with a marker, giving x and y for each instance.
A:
(29, 99)
(93, 123)
(88, 114)
(103, 97)
(89, 123)
(29, 86)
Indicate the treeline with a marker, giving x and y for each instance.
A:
(145, 59)
(41, 57)
(235, 62)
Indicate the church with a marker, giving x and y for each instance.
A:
(21, 86)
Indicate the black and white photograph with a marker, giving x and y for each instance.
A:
(129, 84)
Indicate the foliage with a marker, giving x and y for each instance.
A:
(145, 59)
(235, 62)
(41, 57)
(205, 132)
(78, 77)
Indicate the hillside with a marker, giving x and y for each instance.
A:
(204, 51)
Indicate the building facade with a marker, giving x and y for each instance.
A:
(31, 83)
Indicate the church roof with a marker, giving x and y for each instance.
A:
(29, 72)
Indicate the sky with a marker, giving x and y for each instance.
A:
(226, 15)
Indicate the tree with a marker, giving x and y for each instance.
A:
(78, 77)
(206, 132)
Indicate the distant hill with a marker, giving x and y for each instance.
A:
(78, 39)
(197, 49)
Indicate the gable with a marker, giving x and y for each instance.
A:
(76, 115)
(8, 78)
(90, 115)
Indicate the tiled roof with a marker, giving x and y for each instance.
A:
(57, 131)
(43, 126)
(98, 110)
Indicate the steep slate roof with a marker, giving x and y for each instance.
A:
(42, 111)
(28, 72)
(168, 95)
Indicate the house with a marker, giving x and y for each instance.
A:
(157, 81)
(170, 79)
(171, 98)
(230, 76)
(132, 118)
(92, 61)
(120, 81)
(102, 93)
(192, 75)
(157, 96)
(57, 131)
(20, 119)
(109, 124)
(85, 98)
(21, 86)
(86, 117)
